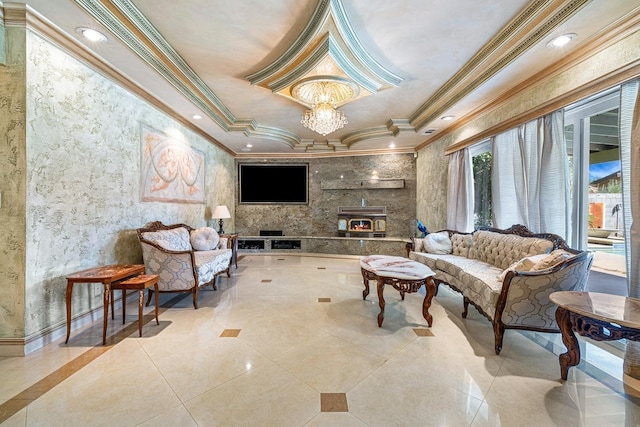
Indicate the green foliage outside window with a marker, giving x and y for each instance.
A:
(482, 188)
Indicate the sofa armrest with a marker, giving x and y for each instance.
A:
(224, 243)
(175, 268)
(409, 246)
(524, 299)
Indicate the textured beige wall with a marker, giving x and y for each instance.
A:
(83, 179)
(431, 182)
(12, 186)
(432, 164)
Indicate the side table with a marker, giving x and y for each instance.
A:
(106, 275)
(602, 317)
(138, 283)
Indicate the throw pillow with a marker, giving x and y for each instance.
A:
(204, 239)
(525, 264)
(437, 243)
(554, 258)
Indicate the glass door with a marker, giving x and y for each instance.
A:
(592, 135)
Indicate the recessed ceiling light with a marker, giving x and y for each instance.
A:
(447, 117)
(249, 145)
(91, 34)
(561, 40)
(392, 145)
(196, 117)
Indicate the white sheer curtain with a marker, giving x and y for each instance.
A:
(460, 192)
(530, 176)
(630, 159)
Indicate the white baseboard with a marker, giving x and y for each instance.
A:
(18, 347)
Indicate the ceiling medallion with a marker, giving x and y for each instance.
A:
(323, 94)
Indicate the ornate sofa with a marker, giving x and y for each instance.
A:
(507, 275)
(183, 257)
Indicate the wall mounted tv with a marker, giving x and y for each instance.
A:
(273, 183)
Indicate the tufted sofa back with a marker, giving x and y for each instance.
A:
(502, 250)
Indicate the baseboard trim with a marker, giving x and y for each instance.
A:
(20, 347)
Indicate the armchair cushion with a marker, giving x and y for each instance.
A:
(204, 239)
(175, 239)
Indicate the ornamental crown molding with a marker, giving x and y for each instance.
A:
(327, 45)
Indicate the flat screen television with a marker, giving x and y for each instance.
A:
(273, 183)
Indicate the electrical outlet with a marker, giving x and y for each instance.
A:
(97, 289)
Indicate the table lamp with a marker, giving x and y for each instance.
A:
(221, 212)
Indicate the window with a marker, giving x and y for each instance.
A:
(481, 161)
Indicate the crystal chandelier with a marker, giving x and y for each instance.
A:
(324, 119)
(323, 94)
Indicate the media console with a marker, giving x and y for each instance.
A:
(323, 244)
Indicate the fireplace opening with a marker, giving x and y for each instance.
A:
(365, 221)
(360, 224)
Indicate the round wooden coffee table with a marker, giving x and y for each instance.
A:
(405, 275)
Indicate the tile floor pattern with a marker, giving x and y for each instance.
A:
(292, 356)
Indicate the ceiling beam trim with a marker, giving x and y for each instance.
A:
(528, 28)
(316, 26)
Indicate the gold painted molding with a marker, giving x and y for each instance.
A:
(616, 32)
(524, 31)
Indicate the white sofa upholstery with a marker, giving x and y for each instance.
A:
(508, 275)
(168, 252)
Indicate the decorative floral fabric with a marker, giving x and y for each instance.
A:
(176, 239)
(204, 239)
(176, 271)
(527, 301)
(210, 263)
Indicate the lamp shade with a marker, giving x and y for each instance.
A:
(221, 212)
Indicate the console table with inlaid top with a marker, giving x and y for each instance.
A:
(106, 275)
(602, 317)
(405, 275)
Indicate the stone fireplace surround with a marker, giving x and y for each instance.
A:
(315, 224)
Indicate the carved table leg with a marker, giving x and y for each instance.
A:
(572, 356)
(366, 283)
(140, 305)
(107, 295)
(431, 288)
(380, 301)
(68, 301)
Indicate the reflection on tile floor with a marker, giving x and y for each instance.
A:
(297, 360)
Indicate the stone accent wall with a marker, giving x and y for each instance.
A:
(320, 216)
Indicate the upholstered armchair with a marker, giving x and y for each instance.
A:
(183, 257)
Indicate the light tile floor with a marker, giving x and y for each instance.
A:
(306, 336)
